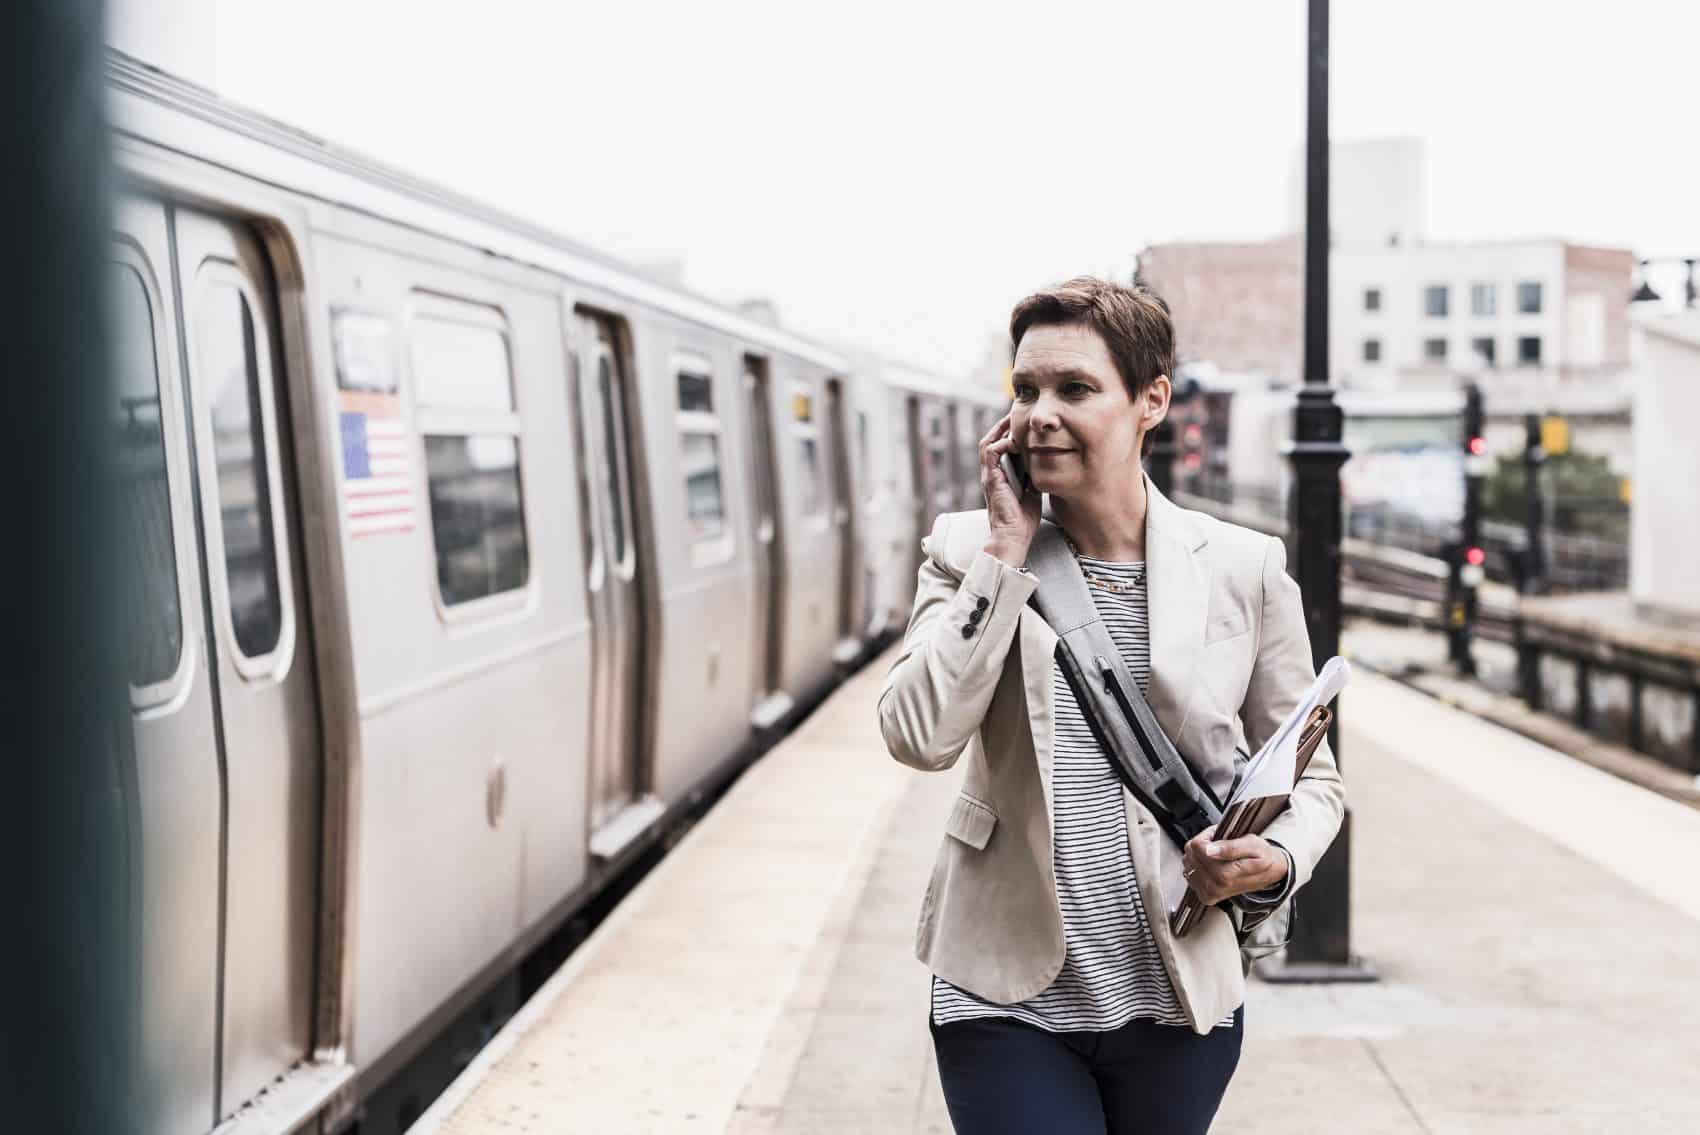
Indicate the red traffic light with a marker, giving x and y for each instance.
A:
(1477, 446)
(1474, 557)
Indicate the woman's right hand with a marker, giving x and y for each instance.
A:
(1013, 514)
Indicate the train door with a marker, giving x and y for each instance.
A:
(952, 489)
(223, 691)
(940, 461)
(177, 757)
(771, 702)
(260, 654)
(615, 589)
(914, 432)
(843, 524)
(975, 424)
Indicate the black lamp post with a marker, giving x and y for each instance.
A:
(1320, 949)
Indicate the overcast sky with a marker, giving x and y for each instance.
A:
(898, 172)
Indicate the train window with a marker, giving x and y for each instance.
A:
(696, 393)
(806, 435)
(705, 511)
(228, 347)
(477, 515)
(463, 384)
(155, 617)
(899, 472)
(461, 366)
(808, 452)
(699, 456)
(939, 472)
(363, 360)
(614, 450)
(864, 454)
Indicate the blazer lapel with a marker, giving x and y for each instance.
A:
(1038, 643)
(1178, 598)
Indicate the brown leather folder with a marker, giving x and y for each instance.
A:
(1250, 817)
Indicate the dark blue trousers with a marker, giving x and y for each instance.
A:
(1002, 1077)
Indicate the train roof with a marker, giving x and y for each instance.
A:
(152, 106)
(907, 377)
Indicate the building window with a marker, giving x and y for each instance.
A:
(1372, 299)
(1484, 299)
(1529, 350)
(699, 455)
(1372, 350)
(1434, 350)
(1529, 297)
(463, 384)
(1483, 350)
(1435, 300)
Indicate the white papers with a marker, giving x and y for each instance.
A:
(1270, 772)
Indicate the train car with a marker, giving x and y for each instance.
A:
(980, 408)
(926, 464)
(465, 558)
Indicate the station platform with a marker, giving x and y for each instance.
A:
(1535, 921)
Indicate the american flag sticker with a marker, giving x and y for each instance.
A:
(377, 464)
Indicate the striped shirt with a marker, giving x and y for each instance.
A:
(1112, 971)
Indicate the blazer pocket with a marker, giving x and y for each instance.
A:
(1223, 627)
(971, 821)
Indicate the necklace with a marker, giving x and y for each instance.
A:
(1104, 583)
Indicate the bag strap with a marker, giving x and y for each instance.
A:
(1142, 755)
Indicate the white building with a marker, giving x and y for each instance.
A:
(1377, 193)
(1535, 319)
(1664, 538)
(1528, 317)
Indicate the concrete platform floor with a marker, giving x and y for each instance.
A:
(1536, 923)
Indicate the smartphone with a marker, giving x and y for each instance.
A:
(1015, 471)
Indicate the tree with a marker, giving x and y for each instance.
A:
(1584, 497)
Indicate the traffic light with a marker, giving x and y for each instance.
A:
(1192, 447)
(1468, 558)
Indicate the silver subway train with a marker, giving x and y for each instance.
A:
(464, 559)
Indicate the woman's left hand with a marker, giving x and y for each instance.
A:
(1218, 870)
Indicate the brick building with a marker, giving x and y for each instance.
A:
(1238, 305)
(1526, 315)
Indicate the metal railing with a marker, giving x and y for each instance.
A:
(1573, 561)
(1390, 570)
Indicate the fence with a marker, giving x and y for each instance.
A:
(1573, 561)
(1582, 657)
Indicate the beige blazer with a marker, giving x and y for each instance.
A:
(1230, 656)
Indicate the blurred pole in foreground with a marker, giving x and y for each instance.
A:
(1161, 462)
(65, 1055)
(1534, 511)
(1468, 558)
(1320, 949)
(1530, 580)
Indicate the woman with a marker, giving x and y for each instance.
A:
(1060, 1001)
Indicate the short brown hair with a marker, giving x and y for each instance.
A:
(1133, 321)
